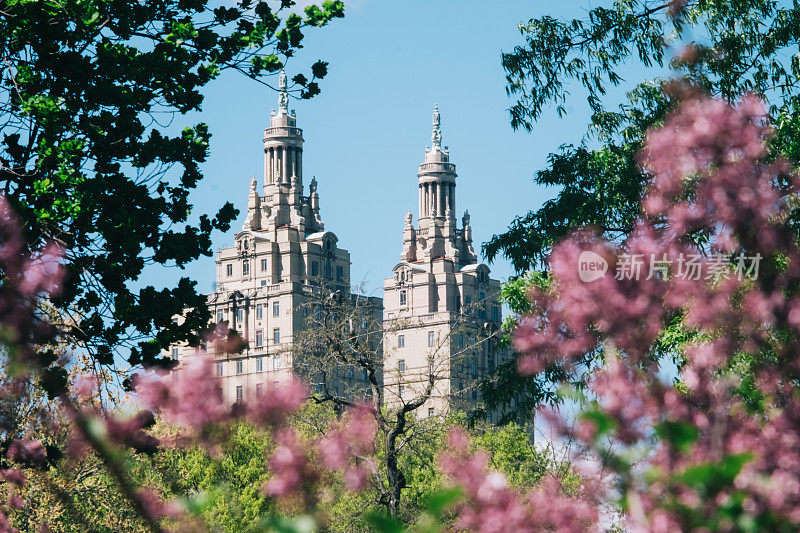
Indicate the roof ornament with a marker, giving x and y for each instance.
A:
(283, 94)
(436, 136)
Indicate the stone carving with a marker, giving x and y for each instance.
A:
(283, 96)
(436, 136)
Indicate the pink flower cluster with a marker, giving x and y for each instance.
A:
(710, 191)
(491, 506)
(346, 447)
(25, 277)
(352, 439)
(189, 397)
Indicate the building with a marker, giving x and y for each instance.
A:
(442, 313)
(281, 256)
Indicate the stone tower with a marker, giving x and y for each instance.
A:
(280, 256)
(441, 313)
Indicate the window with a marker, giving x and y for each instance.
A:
(239, 393)
(263, 265)
(364, 374)
(401, 365)
(174, 353)
(400, 390)
(431, 338)
(276, 336)
(263, 282)
(240, 314)
(474, 394)
(229, 270)
(259, 311)
(276, 309)
(314, 268)
(474, 369)
(245, 268)
(430, 411)
(481, 296)
(401, 341)
(277, 362)
(490, 358)
(403, 299)
(328, 270)
(259, 338)
(219, 369)
(259, 390)
(495, 313)
(220, 315)
(339, 273)
(460, 340)
(467, 300)
(259, 364)
(239, 366)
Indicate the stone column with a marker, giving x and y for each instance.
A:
(299, 164)
(266, 165)
(447, 197)
(421, 213)
(286, 155)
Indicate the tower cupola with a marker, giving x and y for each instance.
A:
(437, 177)
(283, 142)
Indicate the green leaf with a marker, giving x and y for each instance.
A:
(439, 500)
(385, 524)
(679, 434)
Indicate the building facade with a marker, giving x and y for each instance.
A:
(282, 255)
(441, 308)
(442, 312)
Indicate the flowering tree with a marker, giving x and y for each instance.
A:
(716, 450)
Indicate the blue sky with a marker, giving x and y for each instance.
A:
(367, 132)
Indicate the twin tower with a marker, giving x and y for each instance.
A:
(440, 307)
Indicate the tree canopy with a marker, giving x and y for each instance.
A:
(88, 159)
(725, 48)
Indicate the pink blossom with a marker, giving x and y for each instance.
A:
(290, 466)
(278, 402)
(28, 451)
(189, 397)
(350, 440)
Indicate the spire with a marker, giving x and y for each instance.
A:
(283, 94)
(436, 136)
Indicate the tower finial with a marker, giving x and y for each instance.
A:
(283, 94)
(436, 136)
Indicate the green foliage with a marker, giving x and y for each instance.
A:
(517, 397)
(86, 163)
(223, 486)
(598, 181)
(745, 51)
